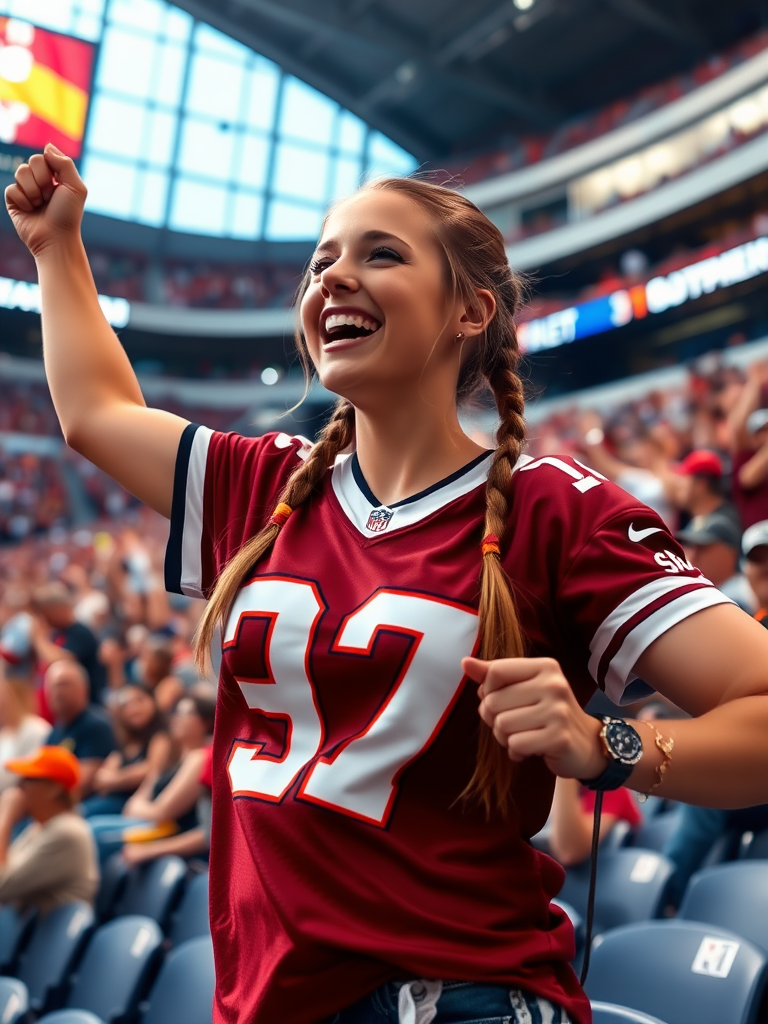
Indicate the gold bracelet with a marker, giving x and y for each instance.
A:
(665, 747)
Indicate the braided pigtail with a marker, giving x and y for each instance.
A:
(500, 633)
(305, 480)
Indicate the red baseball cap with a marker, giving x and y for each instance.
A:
(55, 763)
(700, 463)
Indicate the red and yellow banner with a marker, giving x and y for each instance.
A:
(44, 87)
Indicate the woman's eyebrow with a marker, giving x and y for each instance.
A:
(374, 235)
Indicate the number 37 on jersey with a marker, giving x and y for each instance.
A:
(359, 777)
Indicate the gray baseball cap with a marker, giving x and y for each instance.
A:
(754, 536)
(711, 529)
(757, 420)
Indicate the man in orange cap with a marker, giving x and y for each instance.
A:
(54, 859)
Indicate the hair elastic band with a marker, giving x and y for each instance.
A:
(490, 545)
(280, 515)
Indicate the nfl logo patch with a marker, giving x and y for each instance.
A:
(379, 519)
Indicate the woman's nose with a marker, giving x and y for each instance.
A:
(338, 278)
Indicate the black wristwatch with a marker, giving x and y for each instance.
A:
(623, 748)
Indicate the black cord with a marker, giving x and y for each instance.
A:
(592, 880)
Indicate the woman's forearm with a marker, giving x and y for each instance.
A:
(86, 365)
(718, 760)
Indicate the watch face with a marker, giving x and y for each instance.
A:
(624, 742)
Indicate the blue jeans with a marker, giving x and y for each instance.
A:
(461, 1002)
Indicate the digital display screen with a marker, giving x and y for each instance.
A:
(45, 83)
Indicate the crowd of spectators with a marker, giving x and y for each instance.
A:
(101, 701)
(531, 149)
(195, 284)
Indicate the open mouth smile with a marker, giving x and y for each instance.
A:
(342, 327)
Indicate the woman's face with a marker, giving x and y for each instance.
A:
(186, 725)
(378, 263)
(136, 709)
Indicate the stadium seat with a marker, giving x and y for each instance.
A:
(117, 968)
(757, 847)
(70, 1017)
(653, 833)
(191, 920)
(14, 1001)
(183, 992)
(15, 929)
(153, 889)
(54, 948)
(732, 896)
(610, 1013)
(679, 971)
(114, 877)
(632, 886)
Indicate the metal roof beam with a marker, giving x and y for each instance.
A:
(644, 14)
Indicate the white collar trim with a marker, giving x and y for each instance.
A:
(372, 520)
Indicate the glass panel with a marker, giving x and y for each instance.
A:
(306, 113)
(288, 221)
(151, 196)
(91, 6)
(215, 87)
(142, 14)
(213, 41)
(178, 24)
(246, 215)
(196, 207)
(110, 186)
(87, 26)
(263, 82)
(56, 14)
(206, 149)
(169, 73)
(384, 157)
(351, 130)
(346, 178)
(252, 163)
(126, 62)
(116, 126)
(161, 137)
(301, 172)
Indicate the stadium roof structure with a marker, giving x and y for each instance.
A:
(443, 77)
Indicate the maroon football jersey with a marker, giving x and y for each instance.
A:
(342, 853)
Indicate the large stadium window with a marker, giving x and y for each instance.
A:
(192, 130)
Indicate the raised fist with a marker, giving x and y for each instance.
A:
(46, 201)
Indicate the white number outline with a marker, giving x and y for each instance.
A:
(582, 483)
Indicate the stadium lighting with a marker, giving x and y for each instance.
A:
(523, 5)
(269, 376)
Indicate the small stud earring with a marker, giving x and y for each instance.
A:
(460, 336)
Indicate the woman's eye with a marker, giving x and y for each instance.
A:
(318, 266)
(383, 252)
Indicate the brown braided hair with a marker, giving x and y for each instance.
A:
(475, 259)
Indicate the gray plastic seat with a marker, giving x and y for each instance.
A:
(732, 896)
(114, 877)
(14, 1001)
(680, 972)
(610, 1013)
(54, 948)
(116, 969)
(632, 885)
(15, 930)
(153, 890)
(192, 920)
(183, 992)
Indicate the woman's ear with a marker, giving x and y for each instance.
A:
(479, 313)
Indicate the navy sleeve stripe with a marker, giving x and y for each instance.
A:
(173, 559)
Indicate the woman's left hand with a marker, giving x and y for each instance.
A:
(532, 711)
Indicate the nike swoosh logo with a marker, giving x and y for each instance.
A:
(636, 535)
